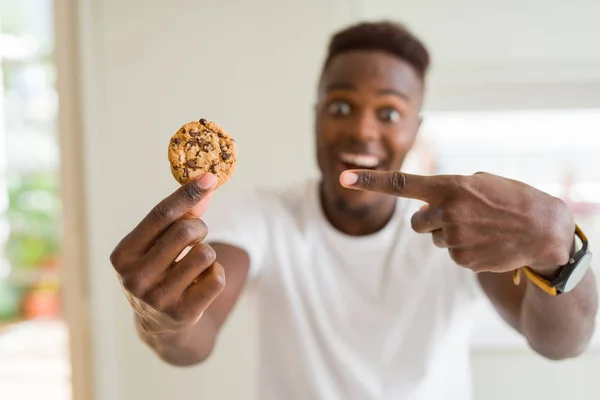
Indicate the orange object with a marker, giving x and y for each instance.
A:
(41, 303)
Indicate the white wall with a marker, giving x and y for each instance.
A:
(149, 66)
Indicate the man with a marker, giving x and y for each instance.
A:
(355, 301)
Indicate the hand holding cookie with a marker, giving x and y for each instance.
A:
(170, 295)
(169, 276)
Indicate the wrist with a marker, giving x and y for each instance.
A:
(151, 327)
(559, 256)
(548, 272)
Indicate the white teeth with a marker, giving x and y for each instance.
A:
(360, 160)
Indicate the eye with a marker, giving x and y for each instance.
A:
(340, 109)
(389, 114)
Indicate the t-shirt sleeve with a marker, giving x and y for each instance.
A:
(239, 220)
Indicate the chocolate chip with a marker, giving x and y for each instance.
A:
(220, 135)
(186, 172)
(176, 140)
(175, 167)
(201, 142)
(191, 163)
(191, 142)
(213, 168)
(202, 121)
(226, 156)
(193, 133)
(182, 130)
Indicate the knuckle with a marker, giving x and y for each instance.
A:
(184, 268)
(415, 222)
(462, 257)
(461, 183)
(157, 297)
(191, 193)
(135, 284)
(397, 181)
(189, 230)
(447, 217)
(206, 254)
(367, 180)
(117, 258)
(454, 235)
(450, 215)
(201, 226)
(163, 212)
(184, 231)
(216, 277)
(438, 239)
(177, 312)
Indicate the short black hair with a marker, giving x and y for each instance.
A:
(391, 37)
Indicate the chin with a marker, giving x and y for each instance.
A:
(355, 201)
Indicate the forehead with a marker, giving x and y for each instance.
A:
(372, 69)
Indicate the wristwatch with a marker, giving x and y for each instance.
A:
(569, 275)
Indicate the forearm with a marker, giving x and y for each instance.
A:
(561, 326)
(186, 348)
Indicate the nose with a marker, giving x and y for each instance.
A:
(365, 127)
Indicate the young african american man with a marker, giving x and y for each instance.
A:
(362, 292)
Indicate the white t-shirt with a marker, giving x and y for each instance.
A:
(382, 316)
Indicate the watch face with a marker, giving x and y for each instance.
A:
(579, 272)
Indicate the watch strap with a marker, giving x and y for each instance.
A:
(536, 279)
(540, 281)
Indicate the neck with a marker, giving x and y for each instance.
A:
(357, 222)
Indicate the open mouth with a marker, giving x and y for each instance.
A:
(359, 161)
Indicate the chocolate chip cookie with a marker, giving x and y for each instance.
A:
(199, 147)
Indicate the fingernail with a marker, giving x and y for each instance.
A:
(424, 207)
(348, 178)
(183, 253)
(207, 181)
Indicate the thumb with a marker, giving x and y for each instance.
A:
(208, 180)
(198, 210)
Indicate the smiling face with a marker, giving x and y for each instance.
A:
(367, 117)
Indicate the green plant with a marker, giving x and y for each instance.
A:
(33, 216)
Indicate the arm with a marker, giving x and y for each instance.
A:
(179, 297)
(493, 226)
(557, 327)
(195, 344)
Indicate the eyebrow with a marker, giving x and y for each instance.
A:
(340, 86)
(393, 92)
(383, 92)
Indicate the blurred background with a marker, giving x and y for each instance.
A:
(514, 90)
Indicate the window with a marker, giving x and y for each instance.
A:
(33, 339)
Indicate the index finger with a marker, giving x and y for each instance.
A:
(185, 200)
(431, 189)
